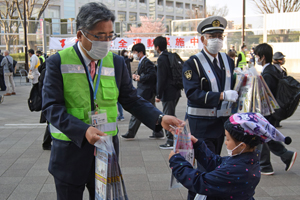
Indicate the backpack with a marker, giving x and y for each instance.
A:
(10, 65)
(287, 96)
(176, 64)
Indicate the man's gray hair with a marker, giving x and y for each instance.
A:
(92, 13)
(6, 51)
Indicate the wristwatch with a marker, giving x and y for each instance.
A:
(160, 119)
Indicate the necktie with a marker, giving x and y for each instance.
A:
(92, 64)
(217, 69)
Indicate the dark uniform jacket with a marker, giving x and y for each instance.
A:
(226, 178)
(146, 85)
(72, 161)
(196, 89)
(166, 91)
(268, 74)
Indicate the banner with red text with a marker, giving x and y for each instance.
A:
(174, 42)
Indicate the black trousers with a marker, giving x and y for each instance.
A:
(2, 82)
(66, 191)
(47, 137)
(169, 108)
(134, 124)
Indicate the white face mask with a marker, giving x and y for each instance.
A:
(246, 50)
(230, 151)
(258, 62)
(125, 54)
(135, 57)
(214, 45)
(99, 49)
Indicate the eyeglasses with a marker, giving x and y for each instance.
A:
(213, 36)
(103, 37)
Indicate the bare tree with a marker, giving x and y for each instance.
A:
(29, 7)
(279, 6)
(7, 22)
(216, 11)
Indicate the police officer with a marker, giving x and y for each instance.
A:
(78, 79)
(208, 80)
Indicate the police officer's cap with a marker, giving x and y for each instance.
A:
(278, 56)
(213, 24)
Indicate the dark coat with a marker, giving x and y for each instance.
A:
(73, 161)
(226, 178)
(146, 85)
(127, 62)
(165, 90)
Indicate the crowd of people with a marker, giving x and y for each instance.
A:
(73, 93)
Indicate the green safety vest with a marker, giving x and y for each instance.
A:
(42, 57)
(77, 91)
(243, 62)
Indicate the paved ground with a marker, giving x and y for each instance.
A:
(23, 163)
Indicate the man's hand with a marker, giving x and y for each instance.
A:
(137, 78)
(168, 120)
(93, 135)
(133, 76)
(157, 100)
(171, 154)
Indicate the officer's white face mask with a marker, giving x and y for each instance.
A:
(214, 45)
(99, 49)
(230, 151)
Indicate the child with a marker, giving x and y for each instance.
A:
(235, 176)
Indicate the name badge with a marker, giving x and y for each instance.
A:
(98, 119)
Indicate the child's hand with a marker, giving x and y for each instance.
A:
(194, 140)
(171, 154)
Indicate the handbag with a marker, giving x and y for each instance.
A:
(30, 76)
(35, 99)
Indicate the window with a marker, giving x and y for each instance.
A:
(132, 17)
(121, 16)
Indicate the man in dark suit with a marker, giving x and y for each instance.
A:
(74, 85)
(2, 82)
(208, 82)
(167, 92)
(263, 57)
(146, 83)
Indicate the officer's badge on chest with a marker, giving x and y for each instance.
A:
(188, 74)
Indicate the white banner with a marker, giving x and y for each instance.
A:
(174, 42)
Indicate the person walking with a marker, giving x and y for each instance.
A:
(39, 54)
(146, 83)
(84, 78)
(263, 56)
(241, 61)
(2, 82)
(7, 63)
(167, 93)
(34, 64)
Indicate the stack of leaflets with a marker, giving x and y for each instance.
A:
(184, 146)
(109, 183)
(254, 94)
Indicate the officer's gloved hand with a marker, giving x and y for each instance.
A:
(230, 95)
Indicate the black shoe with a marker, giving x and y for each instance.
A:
(267, 170)
(291, 162)
(157, 137)
(46, 147)
(127, 137)
(166, 146)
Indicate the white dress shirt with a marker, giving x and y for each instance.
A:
(211, 58)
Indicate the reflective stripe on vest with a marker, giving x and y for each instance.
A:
(211, 77)
(77, 91)
(243, 62)
(65, 69)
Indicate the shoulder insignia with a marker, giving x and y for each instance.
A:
(188, 74)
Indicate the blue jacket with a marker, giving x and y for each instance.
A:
(73, 161)
(227, 178)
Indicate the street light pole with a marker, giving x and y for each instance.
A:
(25, 38)
(243, 23)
